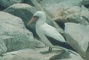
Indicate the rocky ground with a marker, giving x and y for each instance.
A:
(20, 42)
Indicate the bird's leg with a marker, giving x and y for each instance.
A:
(50, 49)
(62, 48)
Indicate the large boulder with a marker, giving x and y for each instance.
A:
(22, 10)
(27, 54)
(14, 33)
(85, 13)
(56, 7)
(41, 54)
(3, 47)
(77, 36)
(25, 12)
(65, 11)
(1, 58)
(85, 2)
(74, 14)
(6, 3)
(68, 55)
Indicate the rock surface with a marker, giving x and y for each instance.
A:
(14, 33)
(25, 12)
(85, 2)
(74, 14)
(22, 10)
(6, 3)
(1, 58)
(3, 47)
(41, 54)
(59, 6)
(77, 37)
(85, 13)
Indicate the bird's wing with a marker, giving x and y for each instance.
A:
(52, 32)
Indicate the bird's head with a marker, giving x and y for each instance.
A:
(39, 15)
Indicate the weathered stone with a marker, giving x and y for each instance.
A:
(1, 58)
(25, 12)
(22, 10)
(85, 2)
(77, 36)
(29, 54)
(64, 11)
(69, 55)
(6, 3)
(1, 8)
(3, 48)
(85, 13)
(14, 33)
(58, 6)
(73, 14)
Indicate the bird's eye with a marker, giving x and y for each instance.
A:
(36, 17)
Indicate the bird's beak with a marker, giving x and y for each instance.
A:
(32, 20)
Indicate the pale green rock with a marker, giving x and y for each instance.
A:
(6, 3)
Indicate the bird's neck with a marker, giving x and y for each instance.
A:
(41, 21)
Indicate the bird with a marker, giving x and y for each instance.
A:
(48, 34)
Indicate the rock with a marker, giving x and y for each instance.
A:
(3, 48)
(9, 55)
(69, 55)
(86, 3)
(14, 33)
(85, 13)
(25, 12)
(59, 6)
(72, 14)
(30, 54)
(1, 58)
(1, 8)
(64, 11)
(6, 3)
(29, 2)
(39, 44)
(77, 37)
(22, 10)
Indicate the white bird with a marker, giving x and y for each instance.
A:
(45, 30)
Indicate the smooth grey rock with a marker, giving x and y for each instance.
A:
(77, 36)
(1, 58)
(6, 3)
(73, 14)
(65, 11)
(29, 54)
(85, 2)
(22, 10)
(14, 33)
(85, 13)
(3, 48)
(25, 12)
(58, 6)
(68, 55)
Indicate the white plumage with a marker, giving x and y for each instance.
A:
(43, 29)
(52, 32)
